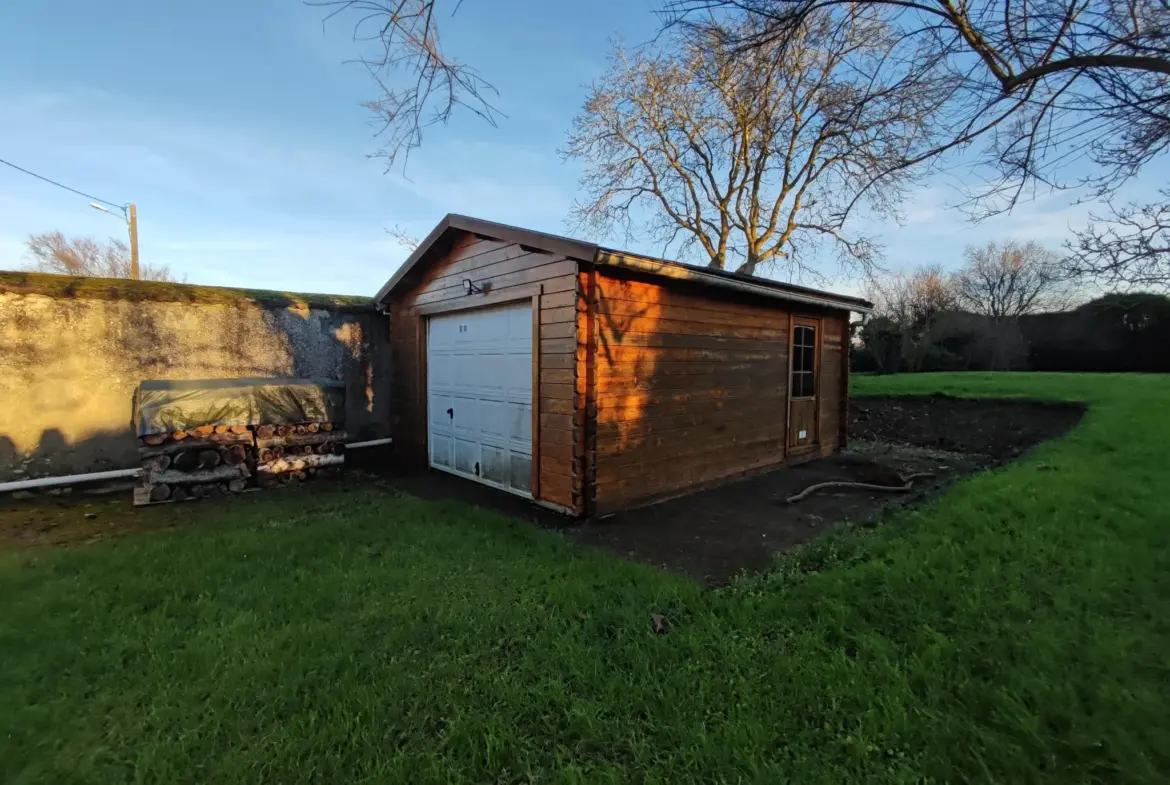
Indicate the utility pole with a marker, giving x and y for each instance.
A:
(132, 221)
(130, 216)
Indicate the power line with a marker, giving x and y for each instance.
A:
(61, 185)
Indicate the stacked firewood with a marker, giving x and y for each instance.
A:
(216, 459)
(293, 453)
(206, 461)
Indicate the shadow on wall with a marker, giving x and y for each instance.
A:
(56, 455)
(690, 388)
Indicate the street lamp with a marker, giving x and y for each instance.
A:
(130, 216)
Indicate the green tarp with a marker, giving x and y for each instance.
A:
(162, 405)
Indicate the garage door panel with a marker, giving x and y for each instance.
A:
(473, 373)
(441, 450)
(438, 406)
(494, 464)
(465, 419)
(466, 456)
(494, 420)
(521, 472)
(519, 375)
(480, 366)
(521, 426)
(441, 373)
(443, 334)
(520, 326)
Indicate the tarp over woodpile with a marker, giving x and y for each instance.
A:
(162, 405)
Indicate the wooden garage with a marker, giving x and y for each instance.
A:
(591, 379)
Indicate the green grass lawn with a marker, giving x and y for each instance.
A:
(1015, 630)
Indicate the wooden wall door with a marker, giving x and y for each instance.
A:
(804, 359)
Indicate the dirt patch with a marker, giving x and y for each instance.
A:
(998, 429)
(712, 535)
(80, 517)
(65, 520)
(715, 534)
(441, 486)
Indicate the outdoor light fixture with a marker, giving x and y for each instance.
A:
(470, 288)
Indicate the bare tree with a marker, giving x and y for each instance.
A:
(421, 85)
(748, 160)
(912, 300)
(403, 237)
(1039, 84)
(1131, 247)
(53, 252)
(1010, 279)
(906, 307)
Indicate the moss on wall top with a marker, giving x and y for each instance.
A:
(155, 291)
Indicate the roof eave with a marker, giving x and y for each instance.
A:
(680, 272)
(569, 248)
(418, 253)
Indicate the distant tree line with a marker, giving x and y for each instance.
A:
(1008, 308)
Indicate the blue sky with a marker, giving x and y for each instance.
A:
(237, 129)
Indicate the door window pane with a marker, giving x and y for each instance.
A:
(804, 342)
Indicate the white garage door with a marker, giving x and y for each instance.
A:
(479, 391)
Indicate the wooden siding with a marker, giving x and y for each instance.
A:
(832, 393)
(502, 269)
(686, 386)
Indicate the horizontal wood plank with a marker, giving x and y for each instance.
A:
(637, 410)
(662, 420)
(562, 435)
(556, 405)
(659, 340)
(622, 310)
(557, 376)
(477, 257)
(616, 329)
(715, 444)
(550, 315)
(550, 390)
(707, 464)
(639, 398)
(557, 346)
(768, 378)
(706, 298)
(559, 360)
(558, 466)
(559, 422)
(560, 330)
(649, 366)
(693, 437)
(556, 276)
(559, 299)
(609, 356)
(615, 496)
(556, 488)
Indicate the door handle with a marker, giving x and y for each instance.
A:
(451, 413)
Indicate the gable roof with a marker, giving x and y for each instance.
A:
(595, 254)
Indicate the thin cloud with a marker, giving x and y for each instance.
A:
(242, 206)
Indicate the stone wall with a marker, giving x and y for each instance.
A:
(72, 352)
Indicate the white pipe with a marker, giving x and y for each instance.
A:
(75, 479)
(371, 443)
(72, 479)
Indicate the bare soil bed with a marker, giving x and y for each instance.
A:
(996, 429)
(715, 534)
